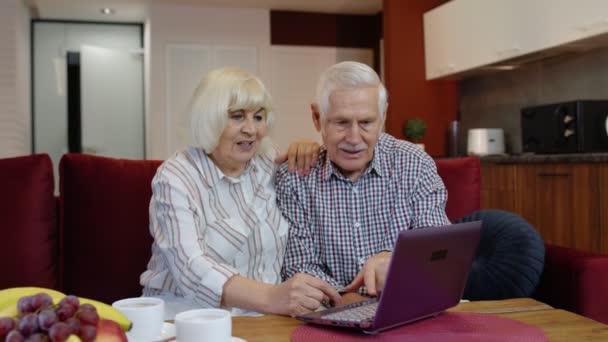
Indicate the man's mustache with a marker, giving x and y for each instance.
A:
(352, 148)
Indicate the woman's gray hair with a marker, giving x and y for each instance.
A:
(348, 75)
(222, 91)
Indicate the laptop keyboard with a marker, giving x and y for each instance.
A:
(354, 314)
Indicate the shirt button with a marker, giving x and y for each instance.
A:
(357, 224)
(355, 190)
(361, 261)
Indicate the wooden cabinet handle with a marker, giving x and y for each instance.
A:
(553, 174)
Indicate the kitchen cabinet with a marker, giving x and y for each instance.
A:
(562, 201)
(498, 187)
(463, 35)
(455, 32)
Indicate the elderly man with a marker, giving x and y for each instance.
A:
(345, 215)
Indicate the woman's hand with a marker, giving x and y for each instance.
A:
(301, 155)
(300, 294)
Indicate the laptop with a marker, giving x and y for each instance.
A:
(427, 275)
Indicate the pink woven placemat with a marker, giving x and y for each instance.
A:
(449, 326)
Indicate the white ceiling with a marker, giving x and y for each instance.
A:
(135, 10)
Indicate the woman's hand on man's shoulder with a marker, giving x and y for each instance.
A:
(301, 156)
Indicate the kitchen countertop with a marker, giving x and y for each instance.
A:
(600, 157)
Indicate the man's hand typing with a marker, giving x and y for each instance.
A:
(372, 275)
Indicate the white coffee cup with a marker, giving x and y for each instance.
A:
(146, 314)
(203, 325)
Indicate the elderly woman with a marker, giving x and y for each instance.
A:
(219, 238)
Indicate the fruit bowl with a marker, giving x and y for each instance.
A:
(39, 314)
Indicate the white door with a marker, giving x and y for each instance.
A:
(112, 102)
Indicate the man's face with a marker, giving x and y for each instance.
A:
(350, 129)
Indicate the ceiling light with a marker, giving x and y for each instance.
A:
(506, 67)
(501, 67)
(107, 11)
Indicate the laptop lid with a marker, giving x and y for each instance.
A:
(427, 274)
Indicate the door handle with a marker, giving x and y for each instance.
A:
(553, 174)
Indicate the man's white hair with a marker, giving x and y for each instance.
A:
(345, 76)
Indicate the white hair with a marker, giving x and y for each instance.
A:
(222, 91)
(348, 75)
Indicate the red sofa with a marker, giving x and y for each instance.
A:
(94, 242)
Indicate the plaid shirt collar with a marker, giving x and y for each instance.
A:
(378, 166)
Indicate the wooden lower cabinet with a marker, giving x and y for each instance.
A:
(498, 186)
(562, 201)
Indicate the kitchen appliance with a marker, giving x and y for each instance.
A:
(566, 127)
(485, 141)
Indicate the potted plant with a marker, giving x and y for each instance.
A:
(414, 130)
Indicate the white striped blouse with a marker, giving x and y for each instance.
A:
(208, 227)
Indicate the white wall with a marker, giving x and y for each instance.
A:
(193, 25)
(293, 79)
(289, 72)
(15, 126)
(167, 25)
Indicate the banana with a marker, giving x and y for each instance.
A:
(73, 338)
(106, 311)
(9, 298)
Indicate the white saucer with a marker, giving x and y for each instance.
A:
(168, 330)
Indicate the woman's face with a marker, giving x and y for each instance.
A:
(240, 140)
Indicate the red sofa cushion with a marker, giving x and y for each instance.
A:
(573, 280)
(462, 178)
(28, 223)
(104, 213)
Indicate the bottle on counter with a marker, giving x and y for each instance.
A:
(453, 139)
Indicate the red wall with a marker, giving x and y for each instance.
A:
(410, 95)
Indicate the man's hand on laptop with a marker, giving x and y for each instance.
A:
(301, 294)
(351, 297)
(372, 275)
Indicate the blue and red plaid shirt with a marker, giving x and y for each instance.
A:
(337, 224)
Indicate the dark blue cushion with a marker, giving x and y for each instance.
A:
(509, 260)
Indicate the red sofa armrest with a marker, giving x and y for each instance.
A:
(576, 281)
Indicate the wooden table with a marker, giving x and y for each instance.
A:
(558, 325)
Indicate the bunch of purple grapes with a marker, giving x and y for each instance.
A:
(40, 320)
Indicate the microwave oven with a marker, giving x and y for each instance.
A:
(566, 127)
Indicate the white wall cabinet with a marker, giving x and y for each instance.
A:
(463, 35)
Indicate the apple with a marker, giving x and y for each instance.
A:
(109, 331)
